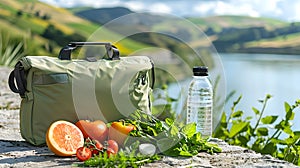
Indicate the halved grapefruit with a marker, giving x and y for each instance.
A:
(63, 138)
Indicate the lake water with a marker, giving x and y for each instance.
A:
(255, 75)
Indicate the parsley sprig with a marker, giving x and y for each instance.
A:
(171, 139)
(127, 157)
(120, 160)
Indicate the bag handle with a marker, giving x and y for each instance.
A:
(18, 75)
(111, 50)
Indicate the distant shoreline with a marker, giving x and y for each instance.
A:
(270, 50)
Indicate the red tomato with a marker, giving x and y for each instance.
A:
(83, 153)
(110, 152)
(96, 148)
(112, 144)
(119, 131)
(95, 130)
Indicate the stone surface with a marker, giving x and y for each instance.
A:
(15, 152)
(8, 99)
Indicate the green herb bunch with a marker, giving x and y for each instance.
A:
(267, 135)
(169, 138)
(128, 157)
(166, 136)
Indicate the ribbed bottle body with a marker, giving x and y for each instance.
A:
(200, 105)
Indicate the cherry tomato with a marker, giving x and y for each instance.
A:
(112, 144)
(96, 148)
(95, 130)
(83, 153)
(119, 131)
(110, 152)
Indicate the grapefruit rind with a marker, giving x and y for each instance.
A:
(67, 137)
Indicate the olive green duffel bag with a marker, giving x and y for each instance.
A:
(71, 89)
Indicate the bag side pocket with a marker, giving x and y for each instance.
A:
(52, 101)
(26, 118)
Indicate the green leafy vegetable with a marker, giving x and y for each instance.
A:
(170, 139)
(266, 136)
(120, 160)
(189, 130)
(129, 157)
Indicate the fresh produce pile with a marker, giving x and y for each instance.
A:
(131, 142)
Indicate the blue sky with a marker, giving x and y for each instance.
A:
(288, 10)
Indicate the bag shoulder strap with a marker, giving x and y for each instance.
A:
(152, 74)
(17, 81)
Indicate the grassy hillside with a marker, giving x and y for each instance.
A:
(44, 29)
(226, 21)
(47, 28)
(251, 35)
(227, 33)
(102, 15)
(291, 40)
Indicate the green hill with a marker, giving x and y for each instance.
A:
(102, 15)
(46, 28)
(226, 21)
(227, 33)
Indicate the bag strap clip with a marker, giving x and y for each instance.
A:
(17, 81)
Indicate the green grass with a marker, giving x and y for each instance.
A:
(291, 40)
(22, 1)
(78, 9)
(84, 29)
(11, 49)
(218, 22)
(28, 22)
(8, 27)
(128, 46)
(6, 7)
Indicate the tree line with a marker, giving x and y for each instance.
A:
(229, 37)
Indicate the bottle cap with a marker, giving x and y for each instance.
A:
(200, 71)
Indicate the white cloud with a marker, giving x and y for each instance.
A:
(148, 7)
(160, 8)
(135, 6)
(92, 3)
(283, 9)
(225, 8)
(296, 16)
(265, 7)
(290, 10)
(204, 8)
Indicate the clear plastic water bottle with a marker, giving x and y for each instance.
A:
(200, 101)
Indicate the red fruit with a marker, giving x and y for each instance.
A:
(95, 130)
(83, 153)
(110, 152)
(119, 131)
(96, 148)
(112, 144)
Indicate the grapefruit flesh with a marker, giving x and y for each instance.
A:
(63, 138)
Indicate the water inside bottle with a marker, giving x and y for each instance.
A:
(199, 110)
